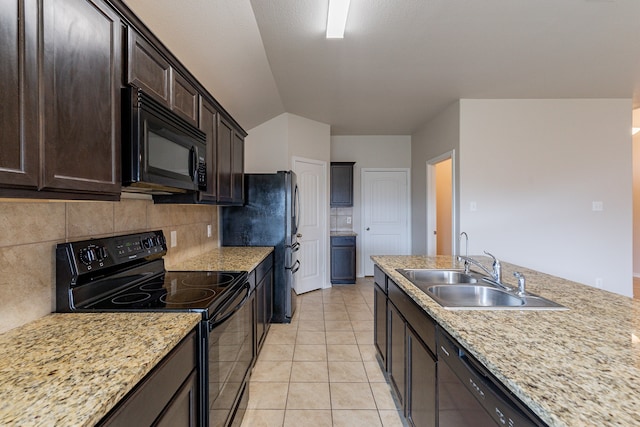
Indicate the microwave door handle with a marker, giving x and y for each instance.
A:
(193, 162)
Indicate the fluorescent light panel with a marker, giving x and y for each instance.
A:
(337, 18)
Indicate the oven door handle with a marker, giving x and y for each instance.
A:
(226, 313)
(295, 267)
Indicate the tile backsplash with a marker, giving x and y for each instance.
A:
(341, 219)
(29, 232)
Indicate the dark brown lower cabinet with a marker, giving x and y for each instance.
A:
(343, 259)
(397, 353)
(421, 383)
(167, 396)
(264, 301)
(411, 361)
(380, 324)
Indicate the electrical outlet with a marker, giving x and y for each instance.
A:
(599, 282)
(348, 220)
(174, 239)
(597, 206)
(209, 230)
(473, 206)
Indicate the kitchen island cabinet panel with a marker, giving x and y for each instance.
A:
(410, 351)
(397, 353)
(380, 324)
(421, 383)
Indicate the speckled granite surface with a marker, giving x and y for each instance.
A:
(226, 258)
(71, 369)
(339, 233)
(579, 367)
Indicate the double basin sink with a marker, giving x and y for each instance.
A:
(457, 290)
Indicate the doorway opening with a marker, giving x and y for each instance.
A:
(441, 212)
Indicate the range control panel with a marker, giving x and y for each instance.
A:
(89, 256)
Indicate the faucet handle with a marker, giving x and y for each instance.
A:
(521, 283)
(497, 268)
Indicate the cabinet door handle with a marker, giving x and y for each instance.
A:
(367, 229)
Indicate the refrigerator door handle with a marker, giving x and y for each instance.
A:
(296, 208)
(295, 267)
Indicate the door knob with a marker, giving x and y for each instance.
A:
(298, 235)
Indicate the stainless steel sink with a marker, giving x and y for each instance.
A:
(457, 290)
(472, 296)
(427, 276)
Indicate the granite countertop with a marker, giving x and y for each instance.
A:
(345, 233)
(72, 369)
(226, 258)
(579, 367)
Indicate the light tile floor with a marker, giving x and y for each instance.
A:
(321, 370)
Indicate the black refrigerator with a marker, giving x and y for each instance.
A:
(269, 217)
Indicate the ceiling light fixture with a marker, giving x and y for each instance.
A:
(337, 18)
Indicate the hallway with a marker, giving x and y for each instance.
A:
(321, 370)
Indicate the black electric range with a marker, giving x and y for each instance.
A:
(126, 273)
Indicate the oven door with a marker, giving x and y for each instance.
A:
(230, 357)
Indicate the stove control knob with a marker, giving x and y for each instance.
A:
(101, 253)
(87, 256)
(147, 242)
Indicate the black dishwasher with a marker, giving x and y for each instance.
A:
(469, 396)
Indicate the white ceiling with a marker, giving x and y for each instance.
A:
(401, 61)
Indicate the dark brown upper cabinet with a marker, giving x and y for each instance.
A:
(230, 164)
(341, 184)
(19, 87)
(61, 129)
(149, 70)
(209, 125)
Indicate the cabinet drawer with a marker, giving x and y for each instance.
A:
(343, 241)
(421, 322)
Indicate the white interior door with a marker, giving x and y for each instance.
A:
(312, 229)
(385, 214)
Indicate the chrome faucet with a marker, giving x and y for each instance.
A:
(496, 274)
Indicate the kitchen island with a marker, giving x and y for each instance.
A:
(572, 368)
(72, 369)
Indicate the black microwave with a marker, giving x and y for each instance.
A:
(161, 152)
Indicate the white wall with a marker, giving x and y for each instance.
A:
(267, 146)
(437, 137)
(533, 168)
(270, 146)
(377, 151)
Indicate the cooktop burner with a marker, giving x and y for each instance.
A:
(191, 290)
